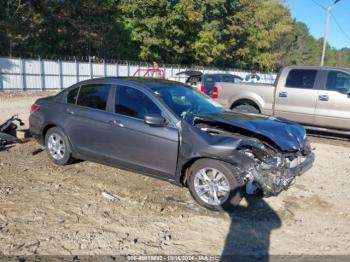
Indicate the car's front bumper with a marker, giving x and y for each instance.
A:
(274, 180)
(303, 166)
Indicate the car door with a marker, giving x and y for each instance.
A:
(296, 96)
(333, 103)
(136, 144)
(86, 121)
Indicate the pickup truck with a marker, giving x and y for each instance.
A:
(317, 97)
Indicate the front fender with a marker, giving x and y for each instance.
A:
(196, 144)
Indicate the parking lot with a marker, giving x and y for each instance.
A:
(87, 208)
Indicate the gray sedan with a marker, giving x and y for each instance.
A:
(168, 130)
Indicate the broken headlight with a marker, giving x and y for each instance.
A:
(263, 155)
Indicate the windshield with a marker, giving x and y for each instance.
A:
(184, 100)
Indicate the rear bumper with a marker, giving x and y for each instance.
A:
(37, 137)
(36, 124)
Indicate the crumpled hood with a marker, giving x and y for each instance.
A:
(288, 135)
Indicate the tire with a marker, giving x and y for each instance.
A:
(58, 147)
(232, 182)
(246, 108)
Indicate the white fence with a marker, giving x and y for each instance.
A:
(29, 74)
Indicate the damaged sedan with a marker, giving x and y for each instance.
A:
(167, 130)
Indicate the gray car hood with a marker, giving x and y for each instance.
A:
(287, 135)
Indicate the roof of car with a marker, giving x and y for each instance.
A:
(210, 74)
(137, 80)
(190, 73)
(141, 81)
(320, 68)
(148, 81)
(222, 74)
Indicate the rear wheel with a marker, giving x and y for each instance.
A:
(246, 108)
(58, 147)
(215, 184)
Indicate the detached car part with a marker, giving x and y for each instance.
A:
(8, 131)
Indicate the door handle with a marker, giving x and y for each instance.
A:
(70, 111)
(116, 123)
(323, 98)
(283, 94)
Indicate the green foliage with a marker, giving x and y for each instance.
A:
(303, 49)
(257, 30)
(343, 57)
(257, 34)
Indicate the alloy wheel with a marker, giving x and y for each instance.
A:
(211, 186)
(56, 146)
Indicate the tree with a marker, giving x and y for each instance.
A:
(304, 49)
(147, 22)
(210, 43)
(15, 17)
(177, 31)
(247, 34)
(343, 57)
(257, 28)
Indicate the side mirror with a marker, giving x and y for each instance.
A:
(155, 120)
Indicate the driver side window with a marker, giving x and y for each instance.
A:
(134, 103)
(338, 81)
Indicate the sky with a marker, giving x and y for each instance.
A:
(310, 12)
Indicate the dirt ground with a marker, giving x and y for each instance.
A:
(19, 103)
(86, 208)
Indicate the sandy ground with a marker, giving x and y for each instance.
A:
(19, 103)
(87, 208)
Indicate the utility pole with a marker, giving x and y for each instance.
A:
(326, 23)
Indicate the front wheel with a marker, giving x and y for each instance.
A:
(215, 185)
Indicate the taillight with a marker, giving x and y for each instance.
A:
(203, 89)
(34, 108)
(215, 92)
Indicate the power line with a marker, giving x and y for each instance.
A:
(335, 19)
(318, 4)
(340, 28)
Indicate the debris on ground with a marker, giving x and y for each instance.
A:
(110, 196)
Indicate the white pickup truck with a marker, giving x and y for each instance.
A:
(318, 97)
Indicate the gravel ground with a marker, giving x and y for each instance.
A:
(86, 208)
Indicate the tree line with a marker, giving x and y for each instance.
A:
(259, 34)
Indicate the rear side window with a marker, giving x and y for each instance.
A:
(132, 102)
(72, 96)
(228, 79)
(338, 81)
(300, 78)
(211, 78)
(94, 96)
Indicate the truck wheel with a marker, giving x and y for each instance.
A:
(215, 185)
(58, 147)
(246, 108)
